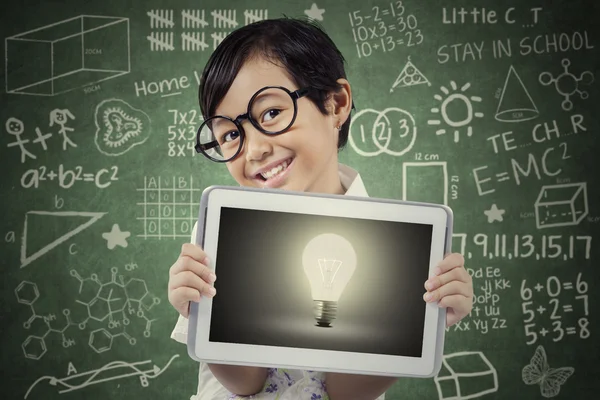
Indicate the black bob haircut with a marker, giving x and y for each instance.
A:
(301, 47)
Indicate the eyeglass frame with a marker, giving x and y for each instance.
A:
(295, 95)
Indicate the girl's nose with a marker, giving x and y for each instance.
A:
(257, 145)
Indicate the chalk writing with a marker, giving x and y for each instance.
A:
(556, 309)
(66, 178)
(540, 247)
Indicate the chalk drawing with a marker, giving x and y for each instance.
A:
(494, 214)
(539, 372)
(93, 48)
(466, 375)
(161, 18)
(410, 76)
(119, 127)
(115, 370)
(60, 117)
(114, 302)
(116, 237)
(564, 204)
(193, 19)
(193, 41)
(251, 16)
(392, 131)
(15, 127)
(516, 104)
(26, 259)
(224, 19)
(567, 84)
(314, 12)
(455, 100)
(414, 174)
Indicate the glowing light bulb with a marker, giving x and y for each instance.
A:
(329, 262)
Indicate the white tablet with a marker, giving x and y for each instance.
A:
(320, 282)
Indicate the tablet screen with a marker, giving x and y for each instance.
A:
(277, 271)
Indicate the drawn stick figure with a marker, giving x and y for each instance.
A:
(16, 128)
(60, 117)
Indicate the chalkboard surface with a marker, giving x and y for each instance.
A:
(489, 107)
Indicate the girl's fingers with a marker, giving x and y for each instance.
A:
(191, 280)
(185, 263)
(456, 274)
(449, 289)
(449, 262)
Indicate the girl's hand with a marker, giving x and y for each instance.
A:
(452, 287)
(190, 278)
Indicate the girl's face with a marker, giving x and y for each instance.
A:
(308, 148)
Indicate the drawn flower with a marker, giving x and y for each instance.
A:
(289, 378)
(272, 388)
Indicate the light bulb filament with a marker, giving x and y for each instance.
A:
(329, 269)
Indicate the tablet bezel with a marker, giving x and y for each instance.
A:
(215, 197)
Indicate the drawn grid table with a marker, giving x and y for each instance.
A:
(170, 207)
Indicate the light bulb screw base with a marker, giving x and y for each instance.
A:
(325, 312)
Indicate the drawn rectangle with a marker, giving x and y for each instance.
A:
(182, 211)
(151, 211)
(425, 182)
(28, 61)
(66, 56)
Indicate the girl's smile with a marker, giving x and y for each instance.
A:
(275, 174)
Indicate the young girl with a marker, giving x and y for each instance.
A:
(276, 105)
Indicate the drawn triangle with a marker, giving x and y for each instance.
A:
(410, 76)
(515, 105)
(71, 223)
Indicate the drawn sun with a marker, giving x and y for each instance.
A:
(455, 103)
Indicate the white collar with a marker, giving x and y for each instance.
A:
(351, 181)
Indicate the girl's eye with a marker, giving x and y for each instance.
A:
(271, 114)
(230, 136)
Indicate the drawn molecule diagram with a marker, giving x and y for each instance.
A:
(112, 302)
(567, 84)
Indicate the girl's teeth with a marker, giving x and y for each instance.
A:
(275, 171)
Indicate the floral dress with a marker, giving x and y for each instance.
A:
(285, 384)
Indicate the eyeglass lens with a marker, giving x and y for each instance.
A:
(272, 110)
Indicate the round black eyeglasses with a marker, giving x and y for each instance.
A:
(272, 110)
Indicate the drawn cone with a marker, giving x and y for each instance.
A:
(516, 105)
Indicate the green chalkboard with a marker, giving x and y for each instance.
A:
(489, 107)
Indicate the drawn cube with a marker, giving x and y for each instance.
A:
(67, 55)
(561, 205)
(466, 375)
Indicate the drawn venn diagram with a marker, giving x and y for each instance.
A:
(391, 131)
(119, 127)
